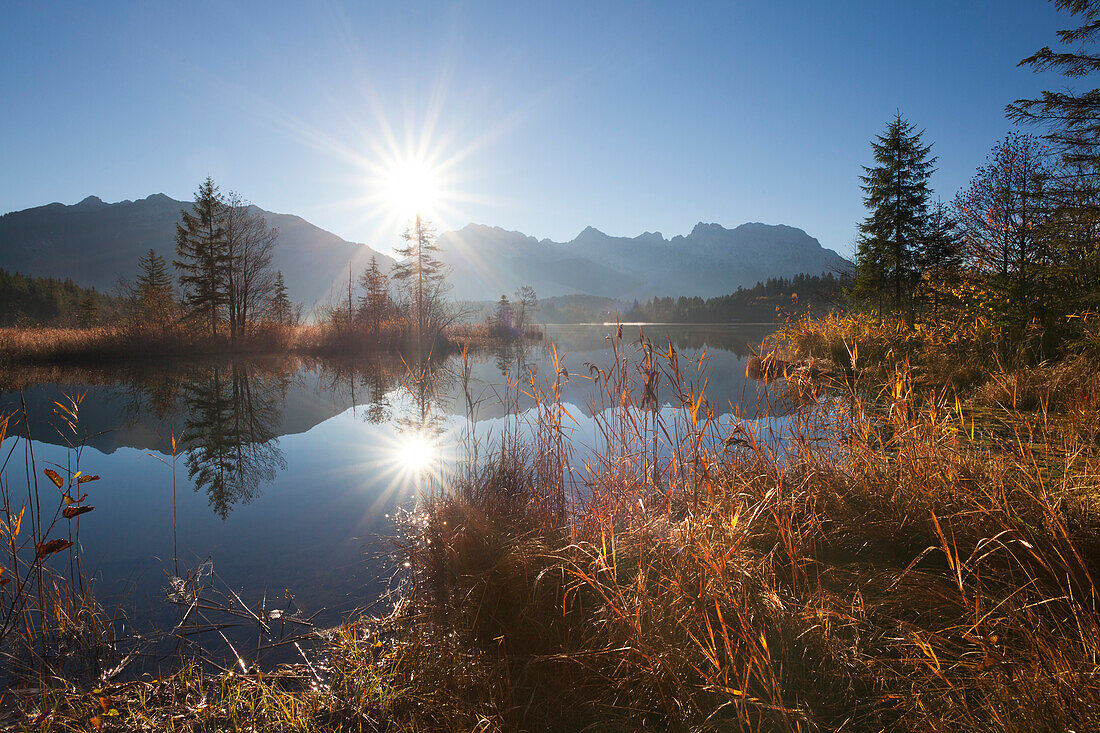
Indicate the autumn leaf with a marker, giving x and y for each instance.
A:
(49, 548)
(75, 511)
(86, 478)
(54, 476)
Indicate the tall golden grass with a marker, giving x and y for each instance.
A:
(882, 571)
(46, 345)
(105, 343)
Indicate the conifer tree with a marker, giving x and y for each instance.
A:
(281, 309)
(154, 291)
(423, 274)
(504, 317)
(1072, 118)
(88, 311)
(939, 251)
(897, 194)
(203, 260)
(375, 303)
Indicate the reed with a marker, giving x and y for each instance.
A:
(51, 627)
(881, 570)
(99, 345)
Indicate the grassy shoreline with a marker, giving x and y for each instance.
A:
(898, 565)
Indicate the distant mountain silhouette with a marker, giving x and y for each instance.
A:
(710, 261)
(96, 243)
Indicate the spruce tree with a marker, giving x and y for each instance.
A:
(281, 309)
(203, 260)
(897, 194)
(88, 311)
(503, 317)
(153, 291)
(1072, 118)
(939, 252)
(375, 302)
(420, 269)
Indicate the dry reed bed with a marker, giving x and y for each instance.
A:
(120, 343)
(108, 343)
(880, 576)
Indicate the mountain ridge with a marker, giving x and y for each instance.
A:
(60, 240)
(711, 260)
(96, 243)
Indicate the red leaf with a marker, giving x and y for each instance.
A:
(49, 548)
(75, 511)
(54, 476)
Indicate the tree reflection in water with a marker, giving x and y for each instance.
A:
(233, 411)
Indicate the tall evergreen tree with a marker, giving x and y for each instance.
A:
(203, 258)
(375, 303)
(88, 312)
(897, 195)
(504, 317)
(423, 274)
(281, 310)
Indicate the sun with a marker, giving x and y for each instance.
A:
(411, 188)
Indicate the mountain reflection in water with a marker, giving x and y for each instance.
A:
(288, 468)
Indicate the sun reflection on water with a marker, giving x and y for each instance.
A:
(416, 454)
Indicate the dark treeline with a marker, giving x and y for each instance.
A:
(49, 301)
(767, 301)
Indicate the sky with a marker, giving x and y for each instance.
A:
(538, 117)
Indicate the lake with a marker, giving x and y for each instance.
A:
(287, 472)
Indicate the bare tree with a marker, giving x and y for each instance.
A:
(524, 306)
(1001, 212)
(250, 246)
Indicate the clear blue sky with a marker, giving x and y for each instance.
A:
(630, 117)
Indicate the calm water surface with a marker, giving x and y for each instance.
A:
(287, 472)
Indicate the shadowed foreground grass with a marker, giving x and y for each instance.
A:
(882, 569)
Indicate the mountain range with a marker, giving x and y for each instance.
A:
(97, 243)
(710, 261)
